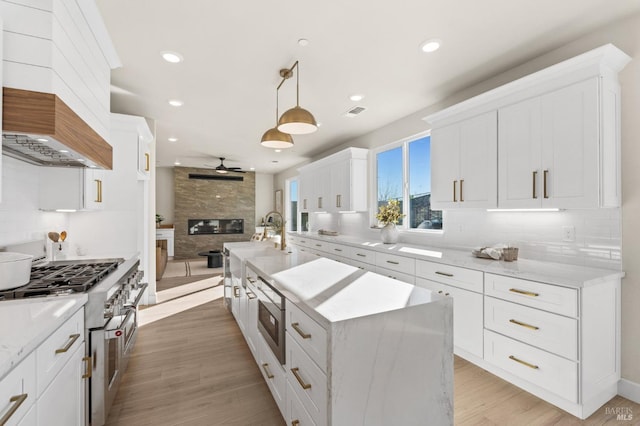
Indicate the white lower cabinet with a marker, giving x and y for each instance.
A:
(467, 316)
(308, 381)
(296, 414)
(48, 387)
(274, 374)
(62, 402)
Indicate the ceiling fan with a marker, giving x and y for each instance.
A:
(222, 169)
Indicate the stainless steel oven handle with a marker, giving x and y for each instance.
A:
(143, 288)
(112, 334)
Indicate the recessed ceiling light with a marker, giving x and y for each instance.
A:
(252, 168)
(173, 57)
(278, 150)
(431, 45)
(303, 42)
(42, 139)
(176, 102)
(173, 139)
(356, 97)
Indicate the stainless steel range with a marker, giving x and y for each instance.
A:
(114, 291)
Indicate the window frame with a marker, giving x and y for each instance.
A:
(373, 183)
(287, 203)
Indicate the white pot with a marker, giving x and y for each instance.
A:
(15, 269)
(389, 234)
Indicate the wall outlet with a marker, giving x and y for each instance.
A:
(569, 233)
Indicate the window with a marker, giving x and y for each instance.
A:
(292, 204)
(403, 173)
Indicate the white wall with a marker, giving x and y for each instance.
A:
(20, 219)
(165, 197)
(264, 195)
(597, 230)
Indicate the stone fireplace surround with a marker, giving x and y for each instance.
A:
(211, 198)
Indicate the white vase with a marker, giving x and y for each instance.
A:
(389, 233)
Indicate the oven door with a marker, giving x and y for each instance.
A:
(271, 321)
(111, 347)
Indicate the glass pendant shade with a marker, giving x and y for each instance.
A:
(297, 121)
(274, 138)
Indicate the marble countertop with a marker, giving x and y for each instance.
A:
(548, 272)
(26, 323)
(329, 291)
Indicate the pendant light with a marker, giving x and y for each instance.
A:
(297, 120)
(274, 138)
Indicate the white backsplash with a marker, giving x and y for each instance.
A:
(20, 219)
(538, 235)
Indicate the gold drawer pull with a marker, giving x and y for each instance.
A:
(461, 196)
(455, 199)
(535, 177)
(146, 162)
(337, 249)
(88, 370)
(526, 293)
(361, 255)
(251, 280)
(296, 327)
(393, 262)
(302, 383)
(236, 291)
(523, 324)
(251, 295)
(18, 399)
(446, 274)
(318, 245)
(535, 367)
(544, 186)
(295, 422)
(265, 367)
(72, 340)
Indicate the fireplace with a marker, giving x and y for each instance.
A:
(215, 226)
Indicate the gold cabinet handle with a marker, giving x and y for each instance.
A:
(295, 422)
(535, 177)
(17, 402)
(98, 190)
(251, 280)
(361, 255)
(524, 324)
(265, 367)
(535, 367)
(338, 200)
(526, 293)
(88, 370)
(337, 249)
(72, 340)
(299, 379)
(446, 274)
(296, 327)
(251, 295)
(461, 196)
(455, 199)
(318, 245)
(304, 204)
(236, 291)
(544, 186)
(319, 202)
(440, 292)
(393, 262)
(146, 162)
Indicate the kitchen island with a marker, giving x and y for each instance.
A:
(361, 348)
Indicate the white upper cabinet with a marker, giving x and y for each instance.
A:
(549, 150)
(463, 164)
(337, 183)
(72, 189)
(557, 134)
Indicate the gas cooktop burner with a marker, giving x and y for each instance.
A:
(62, 278)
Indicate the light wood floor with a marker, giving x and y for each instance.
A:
(194, 368)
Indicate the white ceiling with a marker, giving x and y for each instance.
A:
(233, 51)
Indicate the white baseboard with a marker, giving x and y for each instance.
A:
(629, 390)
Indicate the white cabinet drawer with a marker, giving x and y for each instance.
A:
(452, 275)
(551, 372)
(54, 352)
(18, 389)
(308, 334)
(552, 298)
(320, 245)
(338, 250)
(362, 255)
(467, 316)
(360, 265)
(406, 265)
(303, 241)
(545, 330)
(407, 278)
(307, 380)
(273, 374)
(296, 413)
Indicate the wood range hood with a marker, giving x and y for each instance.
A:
(30, 115)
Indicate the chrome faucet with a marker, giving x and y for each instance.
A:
(283, 244)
